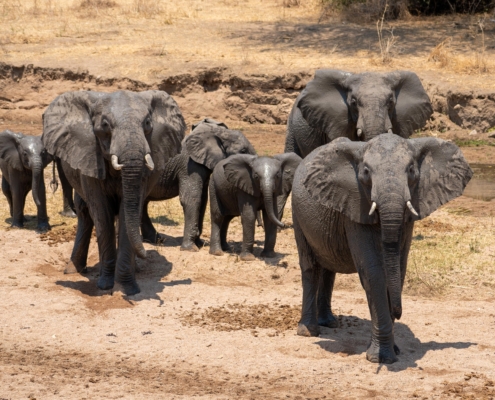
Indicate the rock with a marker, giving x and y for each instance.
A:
(473, 132)
(492, 135)
(27, 104)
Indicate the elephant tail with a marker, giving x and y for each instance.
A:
(54, 181)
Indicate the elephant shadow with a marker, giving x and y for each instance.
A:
(149, 273)
(235, 249)
(353, 336)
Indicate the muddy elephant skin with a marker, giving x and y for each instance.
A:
(243, 185)
(113, 148)
(22, 161)
(187, 175)
(354, 205)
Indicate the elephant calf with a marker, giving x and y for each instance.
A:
(354, 205)
(242, 185)
(22, 160)
(187, 175)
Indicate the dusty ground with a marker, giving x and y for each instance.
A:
(211, 327)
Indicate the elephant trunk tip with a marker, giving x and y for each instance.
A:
(141, 253)
(397, 312)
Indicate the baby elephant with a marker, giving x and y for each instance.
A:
(241, 185)
(22, 160)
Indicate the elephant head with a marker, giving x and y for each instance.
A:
(24, 152)
(263, 176)
(211, 141)
(361, 106)
(116, 135)
(390, 181)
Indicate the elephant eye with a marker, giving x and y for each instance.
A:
(147, 126)
(255, 176)
(105, 126)
(243, 151)
(366, 176)
(353, 101)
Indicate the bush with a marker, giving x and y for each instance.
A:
(437, 7)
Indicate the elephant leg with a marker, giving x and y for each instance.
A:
(270, 237)
(281, 201)
(8, 193)
(192, 191)
(126, 259)
(366, 253)
(202, 211)
(223, 232)
(67, 192)
(308, 324)
(18, 202)
(248, 221)
(149, 232)
(325, 289)
(79, 256)
(217, 221)
(43, 224)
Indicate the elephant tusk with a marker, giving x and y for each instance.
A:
(149, 162)
(372, 209)
(411, 208)
(115, 163)
(359, 132)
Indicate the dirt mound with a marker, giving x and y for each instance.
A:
(473, 386)
(60, 235)
(222, 94)
(237, 316)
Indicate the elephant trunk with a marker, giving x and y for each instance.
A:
(391, 219)
(268, 194)
(37, 171)
(374, 121)
(132, 182)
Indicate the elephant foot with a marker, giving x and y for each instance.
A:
(71, 268)
(153, 237)
(189, 246)
(68, 213)
(226, 247)
(199, 242)
(328, 321)
(17, 225)
(383, 354)
(308, 330)
(130, 288)
(268, 254)
(247, 257)
(43, 227)
(216, 252)
(105, 282)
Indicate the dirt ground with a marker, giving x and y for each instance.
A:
(217, 327)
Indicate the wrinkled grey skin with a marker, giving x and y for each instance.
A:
(332, 196)
(140, 132)
(187, 175)
(22, 161)
(339, 104)
(242, 185)
(68, 195)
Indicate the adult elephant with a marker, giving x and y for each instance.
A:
(354, 205)
(187, 175)
(22, 161)
(113, 148)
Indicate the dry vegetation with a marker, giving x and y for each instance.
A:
(144, 39)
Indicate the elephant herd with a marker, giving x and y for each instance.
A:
(358, 184)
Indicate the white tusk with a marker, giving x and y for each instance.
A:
(390, 131)
(149, 162)
(373, 208)
(359, 132)
(115, 163)
(411, 208)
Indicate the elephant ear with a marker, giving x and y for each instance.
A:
(169, 127)
(332, 180)
(209, 121)
(443, 174)
(413, 107)
(68, 132)
(290, 162)
(238, 172)
(323, 103)
(205, 147)
(8, 149)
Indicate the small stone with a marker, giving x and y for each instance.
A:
(457, 106)
(473, 132)
(27, 104)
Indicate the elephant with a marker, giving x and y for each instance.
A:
(354, 205)
(241, 185)
(187, 175)
(113, 148)
(357, 106)
(22, 161)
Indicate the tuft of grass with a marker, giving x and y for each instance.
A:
(472, 142)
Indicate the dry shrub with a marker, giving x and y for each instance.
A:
(98, 4)
(367, 10)
(442, 53)
(147, 8)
